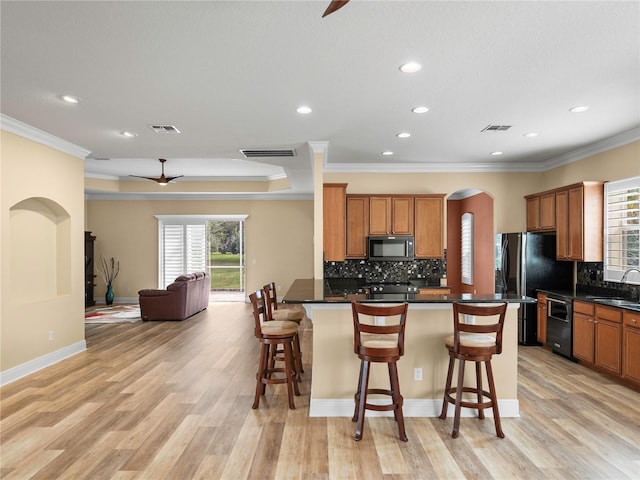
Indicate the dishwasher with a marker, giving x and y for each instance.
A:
(560, 325)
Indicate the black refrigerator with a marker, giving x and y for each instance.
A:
(526, 262)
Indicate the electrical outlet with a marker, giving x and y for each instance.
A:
(51, 334)
(417, 374)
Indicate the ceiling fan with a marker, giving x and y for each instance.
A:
(162, 180)
(333, 6)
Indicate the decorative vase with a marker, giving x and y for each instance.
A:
(108, 297)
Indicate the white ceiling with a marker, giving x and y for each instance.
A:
(230, 75)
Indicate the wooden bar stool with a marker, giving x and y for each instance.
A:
(378, 337)
(295, 314)
(271, 334)
(473, 342)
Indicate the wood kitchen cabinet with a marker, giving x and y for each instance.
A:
(542, 318)
(429, 226)
(391, 215)
(631, 345)
(357, 226)
(334, 209)
(608, 341)
(434, 291)
(541, 212)
(583, 331)
(579, 222)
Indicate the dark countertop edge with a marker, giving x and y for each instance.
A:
(410, 301)
(583, 297)
(304, 291)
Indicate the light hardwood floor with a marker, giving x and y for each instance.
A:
(173, 400)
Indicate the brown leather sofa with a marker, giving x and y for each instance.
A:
(186, 296)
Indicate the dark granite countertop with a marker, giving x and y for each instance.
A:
(612, 299)
(309, 290)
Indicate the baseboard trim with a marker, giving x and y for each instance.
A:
(32, 366)
(411, 408)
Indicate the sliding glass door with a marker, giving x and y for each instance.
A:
(202, 243)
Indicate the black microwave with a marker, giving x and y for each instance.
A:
(394, 248)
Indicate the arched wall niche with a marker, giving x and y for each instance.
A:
(40, 250)
(480, 204)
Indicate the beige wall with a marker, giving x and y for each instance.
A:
(621, 162)
(278, 233)
(41, 287)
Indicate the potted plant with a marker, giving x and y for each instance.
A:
(109, 271)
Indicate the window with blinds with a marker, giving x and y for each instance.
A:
(183, 249)
(467, 248)
(622, 230)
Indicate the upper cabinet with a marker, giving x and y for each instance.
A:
(350, 219)
(391, 215)
(575, 213)
(357, 225)
(579, 218)
(334, 201)
(541, 212)
(429, 226)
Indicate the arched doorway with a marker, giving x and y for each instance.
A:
(476, 205)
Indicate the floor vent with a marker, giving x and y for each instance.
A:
(164, 128)
(496, 128)
(268, 153)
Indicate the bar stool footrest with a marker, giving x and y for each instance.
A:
(450, 397)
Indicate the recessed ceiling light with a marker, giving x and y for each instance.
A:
(403, 135)
(129, 134)
(420, 109)
(495, 154)
(70, 99)
(303, 109)
(411, 67)
(530, 134)
(387, 153)
(579, 108)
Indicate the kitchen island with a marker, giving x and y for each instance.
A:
(335, 366)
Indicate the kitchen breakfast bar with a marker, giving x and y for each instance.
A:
(423, 368)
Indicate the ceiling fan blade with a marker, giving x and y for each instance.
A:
(146, 178)
(170, 179)
(333, 6)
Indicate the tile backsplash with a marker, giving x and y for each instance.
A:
(429, 270)
(590, 278)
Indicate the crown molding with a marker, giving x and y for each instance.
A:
(593, 148)
(213, 196)
(446, 167)
(31, 133)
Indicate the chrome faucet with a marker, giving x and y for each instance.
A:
(626, 273)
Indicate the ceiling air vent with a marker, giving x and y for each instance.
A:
(496, 128)
(164, 128)
(268, 153)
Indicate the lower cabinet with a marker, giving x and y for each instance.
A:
(608, 339)
(583, 331)
(631, 345)
(434, 291)
(542, 318)
(608, 344)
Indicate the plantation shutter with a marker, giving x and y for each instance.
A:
(183, 249)
(466, 228)
(622, 229)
